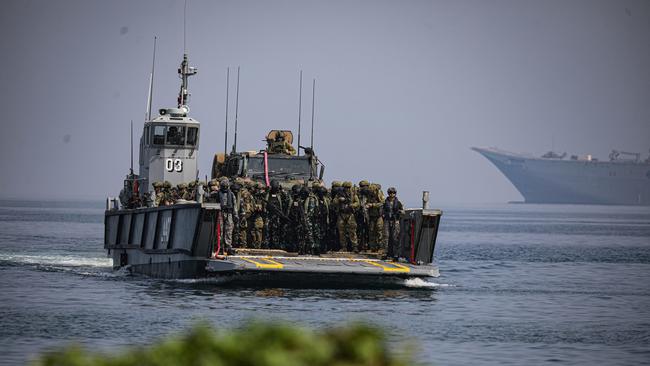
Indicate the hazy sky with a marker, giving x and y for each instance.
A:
(404, 88)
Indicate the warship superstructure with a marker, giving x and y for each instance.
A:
(182, 239)
(624, 179)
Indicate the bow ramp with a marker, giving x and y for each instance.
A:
(317, 265)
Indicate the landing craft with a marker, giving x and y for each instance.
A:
(182, 240)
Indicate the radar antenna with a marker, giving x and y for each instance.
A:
(184, 71)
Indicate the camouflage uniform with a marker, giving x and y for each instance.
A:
(182, 191)
(308, 240)
(332, 231)
(228, 213)
(159, 196)
(362, 216)
(236, 229)
(277, 204)
(212, 196)
(256, 219)
(294, 232)
(167, 194)
(376, 222)
(245, 212)
(391, 211)
(322, 217)
(347, 204)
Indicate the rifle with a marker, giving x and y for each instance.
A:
(277, 211)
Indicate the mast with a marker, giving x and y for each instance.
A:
(131, 147)
(151, 76)
(299, 110)
(225, 144)
(184, 71)
(234, 146)
(313, 99)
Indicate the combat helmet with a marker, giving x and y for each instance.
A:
(167, 184)
(336, 184)
(364, 183)
(347, 184)
(157, 184)
(224, 182)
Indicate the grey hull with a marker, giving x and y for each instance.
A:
(179, 242)
(542, 180)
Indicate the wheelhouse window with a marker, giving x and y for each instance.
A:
(192, 134)
(176, 135)
(159, 135)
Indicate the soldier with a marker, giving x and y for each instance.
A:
(256, 220)
(191, 191)
(376, 222)
(391, 213)
(228, 213)
(293, 233)
(276, 208)
(362, 216)
(173, 193)
(235, 188)
(309, 232)
(212, 195)
(322, 216)
(280, 146)
(347, 204)
(168, 197)
(159, 196)
(182, 191)
(332, 232)
(245, 212)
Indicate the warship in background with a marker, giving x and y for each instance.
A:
(552, 178)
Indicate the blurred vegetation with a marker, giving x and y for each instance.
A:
(259, 344)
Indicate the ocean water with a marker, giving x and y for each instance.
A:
(518, 284)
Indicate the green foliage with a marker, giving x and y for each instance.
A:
(255, 344)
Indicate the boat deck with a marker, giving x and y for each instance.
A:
(327, 264)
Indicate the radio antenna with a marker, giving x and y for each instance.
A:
(299, 110)
(313, 99)
(225, 144)
(151, 75)
(184, 27)
(131, 146)
(234, 146)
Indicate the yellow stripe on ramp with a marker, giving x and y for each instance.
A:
(267, 264)
(397, 267)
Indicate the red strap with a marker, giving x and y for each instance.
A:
(216, 253)
(266, 168)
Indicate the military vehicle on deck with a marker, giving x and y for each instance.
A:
(181, 239)
(279, 161)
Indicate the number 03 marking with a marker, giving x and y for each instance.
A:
(174, 165)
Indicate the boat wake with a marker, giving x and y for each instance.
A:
(421, 283)
(85, 266)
